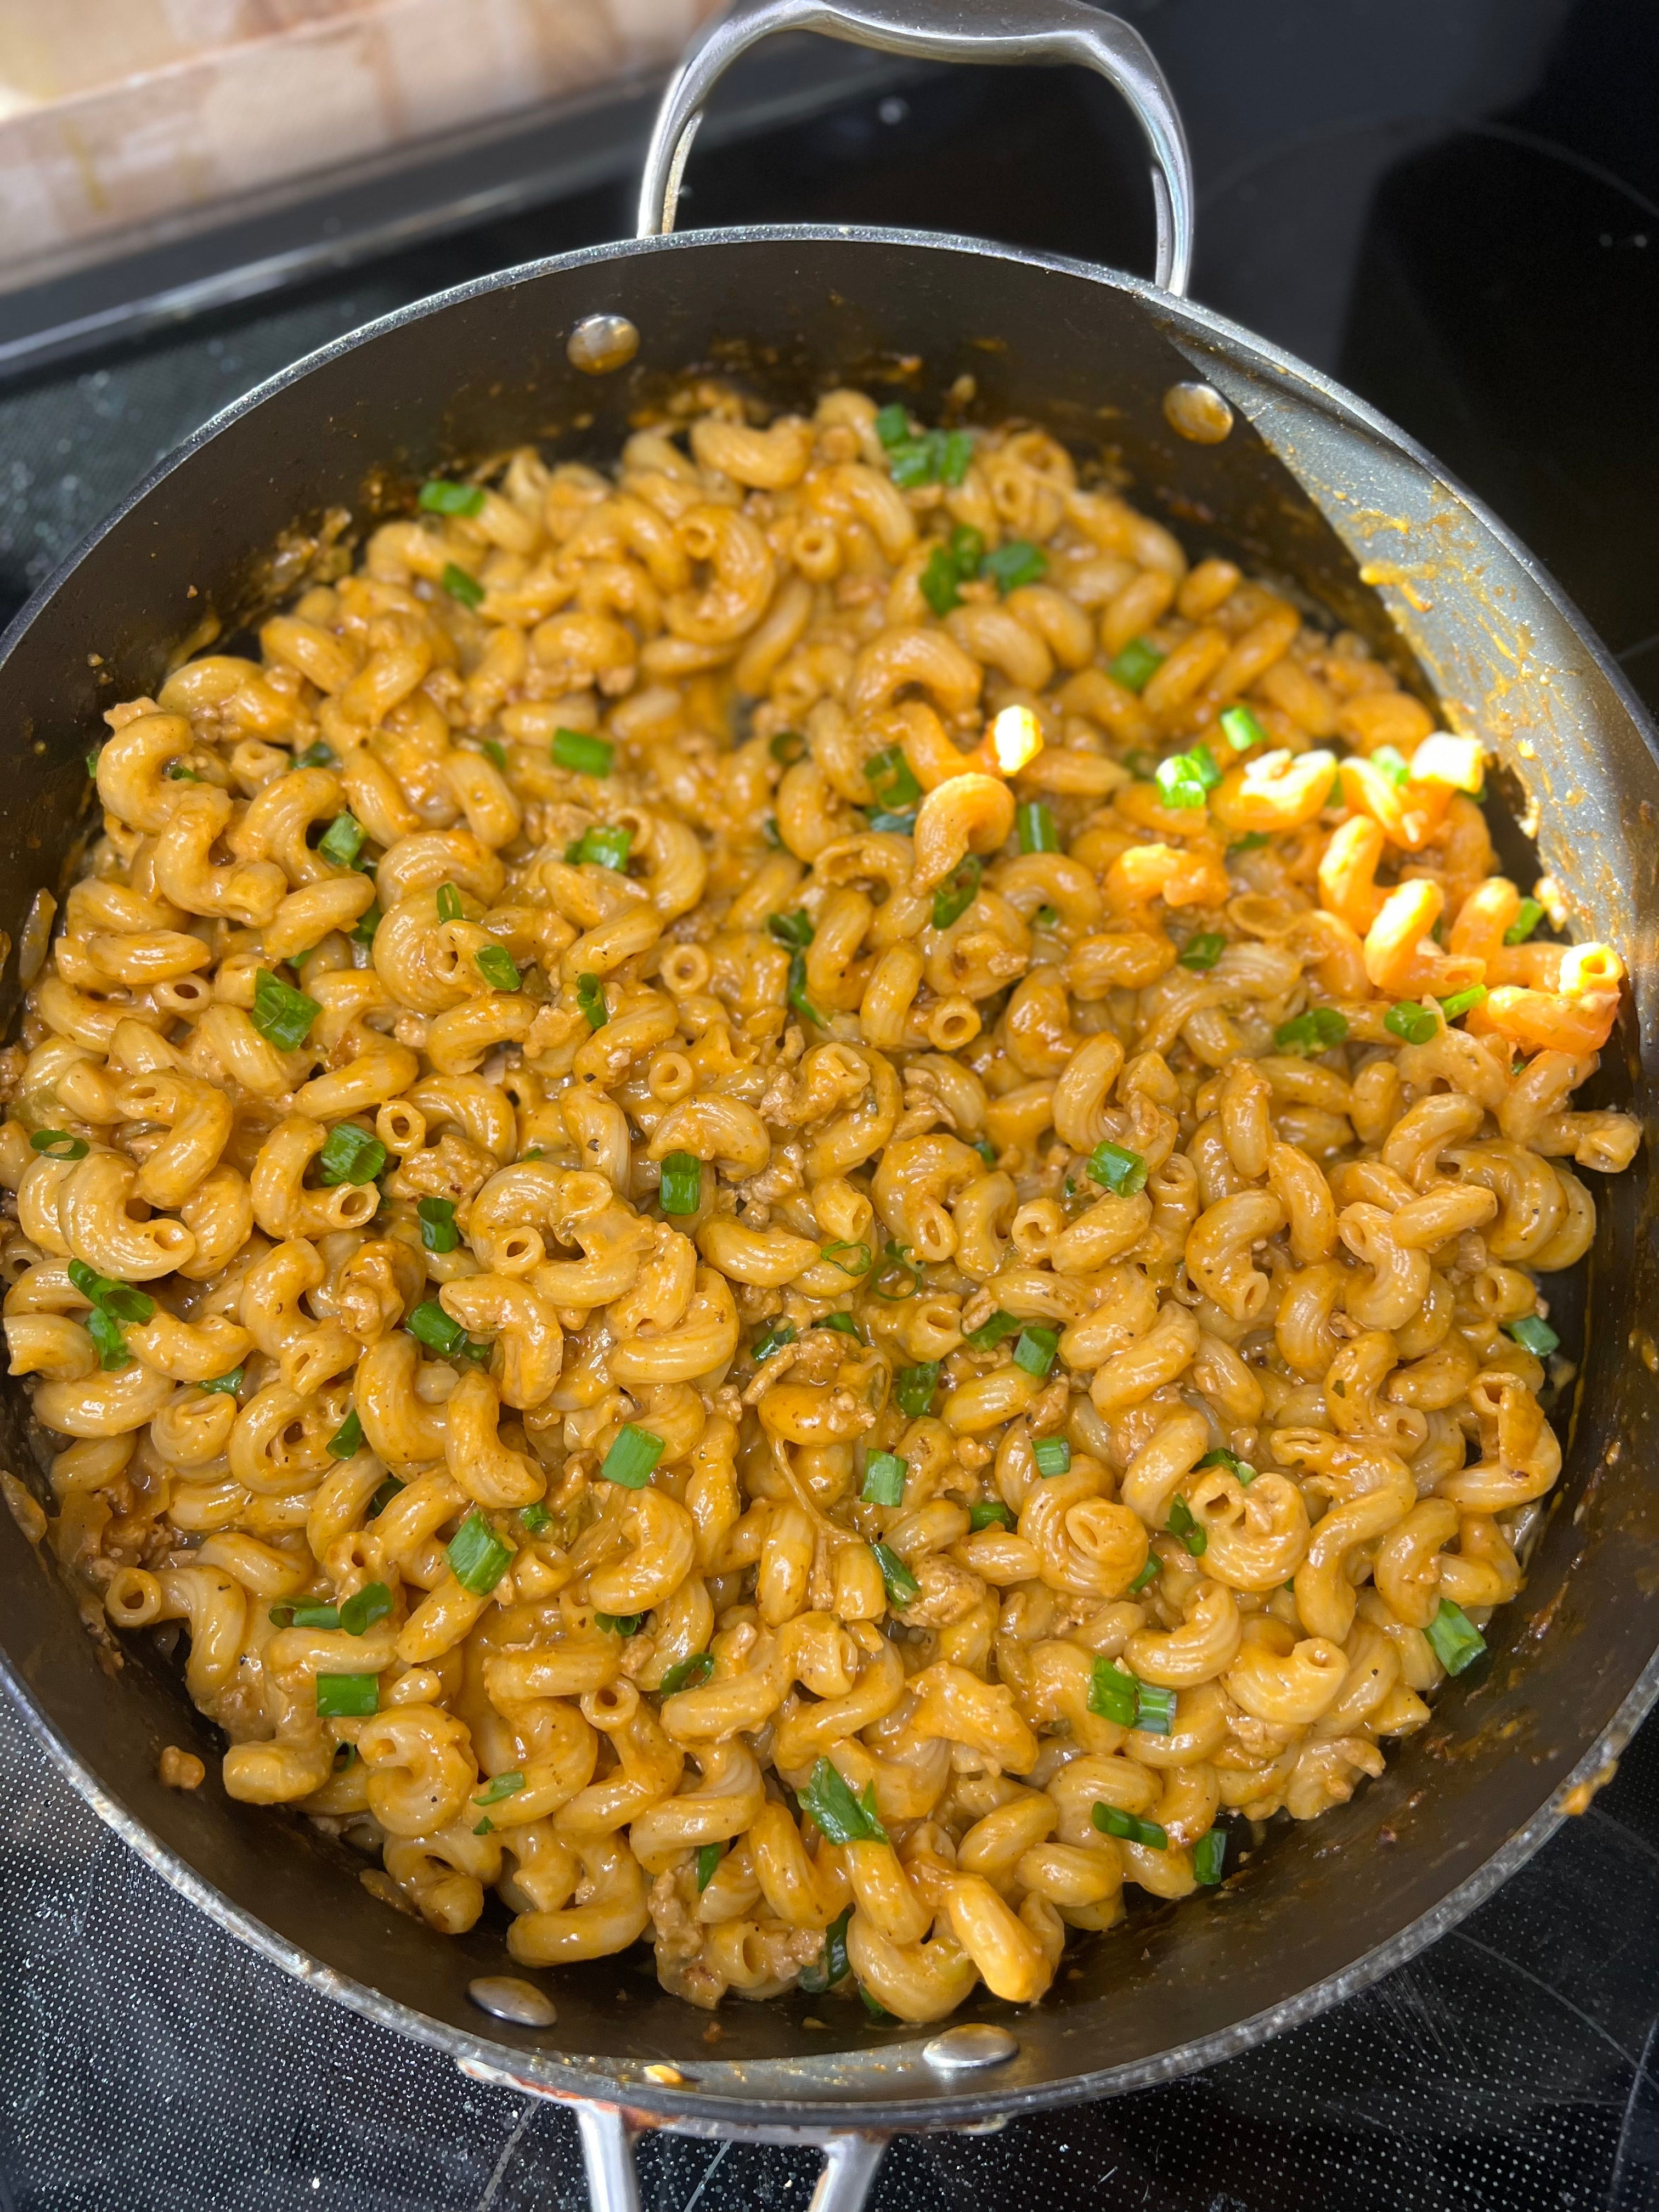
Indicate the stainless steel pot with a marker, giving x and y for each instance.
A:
(1303, 481)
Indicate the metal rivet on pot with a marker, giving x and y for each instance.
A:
(967, 2049)
(602, 343)
(508, 1998)
(1197, 411)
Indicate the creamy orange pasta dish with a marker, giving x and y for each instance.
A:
(793, 1198)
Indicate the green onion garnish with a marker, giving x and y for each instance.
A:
(441, 496)
(990, 1513)
(1458, 1642)
(1036, 1350)
(1186, 778)
(1053, 1454)
(1461, 1001)
(1242, 729)
(590, 997)
(620, 1624)
(796, 994)
(364, 1607)
(890, 776)
(1149, 1573)
(431, 1326)
(533, 1519)
(832, 1965)
(1112, 1693)
(892, 424)
(478, 1558)
(687, 1674)
(347, 1440)
(281, 1015)
(1136, 666)
(1118, 1168)
(794, 929)
(58, 1145)
(438, 1229)
(1235, 1466)
(902, 1587)
(1389, 761)
(449, 902)
(1201, 953)
(939, 581)
(990, 1333)
(364, 932)
(588, 755)
(342, 840)
(883, 1479)
(1015, 562)
(851, 1259)
(1251, 841)
(903, 825)
(230, 1384)
(1130, 1828)
(459, 585)
(495, 965)
(1154, 1708)
(387, 1491)
(896, 1266)
(1181, 1523)
(1533, 1334)
(843, 1322)
(787, 747)
(1413, 1024)
(708, 1863)
(1209, 1856)
(631, 1458)
(844, 1817)
(120, 1299)
(348, 1697)
(1528, 915)
(1035, 826)
(349, 1155)
(914, 1388)
(986, 1151)
(1316, 1030)
(681, 1188)
(780, 1333)
(105, 1333)
(317, 755)
(958, 891)
(494, 751)
(603, 846)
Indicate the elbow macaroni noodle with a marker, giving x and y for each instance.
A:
(748, 1185)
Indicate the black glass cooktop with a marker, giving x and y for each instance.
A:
(1454, 205)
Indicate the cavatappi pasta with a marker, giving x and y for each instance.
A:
(794, 1200)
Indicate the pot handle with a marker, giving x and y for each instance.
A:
(995, 30)
(613, 2183)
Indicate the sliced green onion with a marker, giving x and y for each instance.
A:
(1413, 1024)
(877, 2010)
(687, 1674)
(1242, 729)
(348, 1697)
(478, 1557)
(1458, 1642)
(843, 1323)
(956, 453)
(347, 1440)
(440, 497)
(1461, 1001)
(495, 965)
(787, 747)
(499, 1786)
(1209, 1856)
(631, 1458)
(1112, 1693)
(364, 1607)
(1014, 563)
(844, 1816)
(1136, 666)
(708, 1863)
(1118, 1168)
(796, 994)
(603, 846)
(888, 775)
(958, 891)
(832, 1965)
(590, 997)
(990, 1333)
(681, 1188)
(914, 1388)
(384, 1496)
(1036, 1350)
(58, 1145)
(794, 929)
(459, 585)
(896, 1266)
(449, 902)
(431, 1326)
(317, 755)
(892, 424)
(1186, 778)
(105, 1333)
(1251, 841)
(281, 1015)
(364, 932)
(1046, 917)
(1528, 915)
(588, 755)
(939, 581)
(342, 840)
(92, 760)
(620, 1624)
(1034, 827)
(1181, 1523)
(1221, 1457)
(1154, 1708)
(438, 1229)
(1316, 1030)
(1149, 1574)
(1053, 1454)
(883, 1479)
(986, 1151)
(177, 773)
(990, 1513)
(120, 1299)
(902, 826)
(1389, 761)
(858, 1258)
(494, 751)
(533, 1519)
(349, 1155)
(1201, 953)
(902, 1587)
(230, 1384)
(1533, 1334)
(780, 1333)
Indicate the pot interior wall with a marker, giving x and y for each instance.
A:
(1090, 358)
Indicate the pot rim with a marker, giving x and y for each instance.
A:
(839, 2103)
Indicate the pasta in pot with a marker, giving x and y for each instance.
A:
(794, 1197)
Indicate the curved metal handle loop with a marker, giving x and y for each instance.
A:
(1004, 32)
(613, 2185)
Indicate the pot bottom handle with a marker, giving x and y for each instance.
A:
(613, 2183)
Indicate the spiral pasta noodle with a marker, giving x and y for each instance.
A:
(794, 1198)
